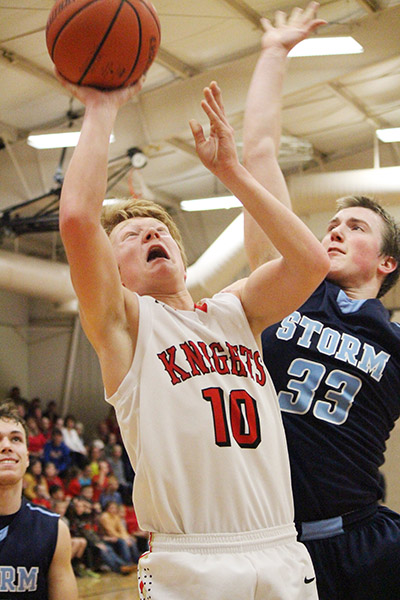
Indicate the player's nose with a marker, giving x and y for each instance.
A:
(151, 234)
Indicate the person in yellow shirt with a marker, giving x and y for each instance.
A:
(116, 534)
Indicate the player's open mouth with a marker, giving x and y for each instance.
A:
(8, 461)
(156, 252)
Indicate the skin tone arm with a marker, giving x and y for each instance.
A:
(262, 118)
(61, 578)
(108, 312)
(288, 280)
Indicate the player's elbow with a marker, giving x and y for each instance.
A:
(320, 264)
(257, 151)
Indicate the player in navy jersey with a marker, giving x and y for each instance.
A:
(335, 361)
(35, 545)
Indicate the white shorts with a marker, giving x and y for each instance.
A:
(268, 564)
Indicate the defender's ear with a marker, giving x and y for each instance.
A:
(387, 265)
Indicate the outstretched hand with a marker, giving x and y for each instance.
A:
(88, 95)
(289, 31)
(218, 151)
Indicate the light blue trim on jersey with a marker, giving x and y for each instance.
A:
(3, 533)
(44, 511)
(348, 305)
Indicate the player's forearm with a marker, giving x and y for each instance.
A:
(289, 235)
(86, 178)
(262, 117)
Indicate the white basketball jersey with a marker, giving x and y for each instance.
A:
(201, 424)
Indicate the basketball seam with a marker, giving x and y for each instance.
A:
(152, 14)
(67, 22)
(99, 47)
(139, 41)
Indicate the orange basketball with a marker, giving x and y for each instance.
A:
(103, 43)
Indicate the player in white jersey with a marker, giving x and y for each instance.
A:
(205, 439)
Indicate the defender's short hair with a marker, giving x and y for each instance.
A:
(9, 412)
(113, 214)
(390, 235)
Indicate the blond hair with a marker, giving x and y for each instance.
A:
(116, 213)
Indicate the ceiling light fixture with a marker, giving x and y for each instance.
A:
(216, 203)
(391, 134)
(56, 139)
(326, 46)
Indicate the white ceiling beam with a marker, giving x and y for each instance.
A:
(174, 64)
(371, 6)
(246, 11)
(24, 64)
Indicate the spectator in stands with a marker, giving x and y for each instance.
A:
(51, 411)
(42, 496)
(78, 452)
(52, 478)
(117, 466)
(78, 544)
(82, 524)
(36, 439)
(116, 534)
(111, 493)
(100, 481)
(56, 494)
(33, 477)
(45, 427)
(95, 454)
(85, 477)
(57, 452)
(72, 485)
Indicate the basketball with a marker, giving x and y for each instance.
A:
(106, 44)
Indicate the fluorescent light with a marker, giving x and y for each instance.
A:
(65, 139)
(392, 134)
(325, 46)
(211, 203)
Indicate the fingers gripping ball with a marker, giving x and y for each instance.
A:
(103, 43)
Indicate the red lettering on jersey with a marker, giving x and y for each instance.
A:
(194, 358)
(238, 367)
(176, 373)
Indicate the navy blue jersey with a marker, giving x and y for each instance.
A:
(335, 364)
(27, 547)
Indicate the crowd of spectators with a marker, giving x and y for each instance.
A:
(87, 482)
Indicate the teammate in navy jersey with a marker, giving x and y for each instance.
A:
(335, 361)
(212, 481)
(35, 545)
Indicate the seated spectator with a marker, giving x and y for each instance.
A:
(82, 524)
(57, 452)
(117, 466)
(51, 411)
(95, 454)
(36, 439)
(32, 478)
(103, 432)
(116, 534)
(72, 487)
(78, 452)
(128, 516)
(56, 493)
(100, 481)
(52, 478)
(42, 496)
(85, 477)
(111, 493)
(78, 544)
(46, 427)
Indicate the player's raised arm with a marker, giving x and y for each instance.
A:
(94, 269)
(262, 117)
(276, 288)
